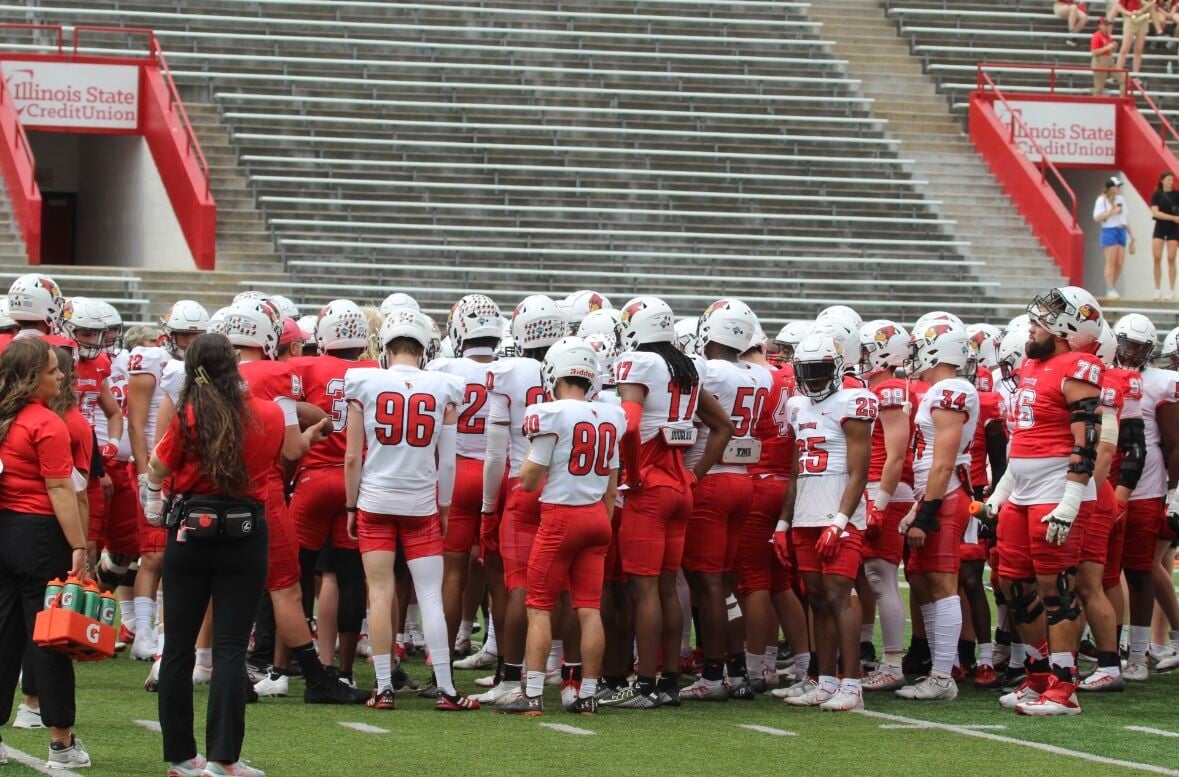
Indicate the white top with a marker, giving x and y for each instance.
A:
(954, 394)
(403, 409)
(472, 410)
(1102, 205)
(150, 360)
(666, 406)
(118, 383)
(822, 453)
(741, 389)
(513, 385)
(1159, 387)
(578, 442)
(172, 380)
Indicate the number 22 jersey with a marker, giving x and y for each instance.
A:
(822, 475)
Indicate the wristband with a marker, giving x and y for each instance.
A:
(349, 509)
(882, 500)
(926, 518)
(839, 521)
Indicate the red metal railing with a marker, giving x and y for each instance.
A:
(176, 105)
(20, 175)
(1135, 87)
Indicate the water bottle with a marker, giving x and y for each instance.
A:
(51, 592)
(106, 611)
(91, 601)
(71, 595)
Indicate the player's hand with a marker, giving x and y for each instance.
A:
(78, 563)
(907, 521)
(986, 522)
(443, 516)
(319, 432)
(875, 522)
(108, 488)
(352, 533)
(1060, 522)
(828, 544)
(915, 537)
(781, 542)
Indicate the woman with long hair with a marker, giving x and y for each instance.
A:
(1164, 209)
(217, 452)
(41, 535)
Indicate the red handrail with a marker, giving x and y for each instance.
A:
(1045, 164)
(20, 141)
(193, 146)
(1134, 85)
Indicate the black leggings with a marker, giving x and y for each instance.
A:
(232, 573)
(33, 551)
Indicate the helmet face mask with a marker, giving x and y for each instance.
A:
(1132, 354)
(816, 380)
(1069, 313)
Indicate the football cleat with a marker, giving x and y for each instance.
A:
(485, 682)
(526, 706)
(193, 767)
(569, 689)
(1059, 699)
(587, 706)
(1136, 670)
(152, 683)
(333, 690)
(705, 690)
(462, 647)
(885, 678)
(812, 697)
(417, 639)
(986, 677)
(480, 659)
(201, 675)
(930, 688)
(71, 756)
(1102, 682)
(385, 700)
(1026, 691)
(844, 700)
(605, 692)
(273, 684)
(868, 656)
(144, 648)
(740, 688)
(430, 690)
(27, 718)
(502, 691)
(456, 703)
(402, 681)
(239, 769)
(631, 698)
(1013, 678)
(126, 637)
(1156, 653)
(761, 684)
(1167, 663)
(798, 688)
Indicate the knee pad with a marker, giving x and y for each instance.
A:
(1025, 605)
(350, 580)
(129, 578)
(1000, 599)
(1063, 606)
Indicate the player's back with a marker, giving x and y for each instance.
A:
(322, 380)
(513, 385)
(472, 410)
(741, 389)
(586, 448)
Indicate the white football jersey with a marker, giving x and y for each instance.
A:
(822, 453)
(741, 389)
(513, 385)
(581, 449)
(955, 394)
(150, 360)
(118, 385)
(666, 405)
(403, 408)
(172, 381)
(1159, 387)
(1006, 408)
(472, 410)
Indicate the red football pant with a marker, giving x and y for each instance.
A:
(282, 571)
(1145, 519)
(889, 544)
(462, 523)
(418, 535)
(719, 505)
(848, 555)
(517, 531)
(317, 509)
(568, 554)
(1023, 551)
(755, 555)
(651, 533)
(940, 551)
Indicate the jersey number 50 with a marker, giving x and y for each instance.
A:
(401, 419)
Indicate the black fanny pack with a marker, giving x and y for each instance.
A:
(209, 516)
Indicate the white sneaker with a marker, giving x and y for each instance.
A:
(193, 767)
(844, 700)
(1112, 294)
(929, 688)
(3, 753)
(144, 648)
(72, 757)
(1023, 693)
(485, 682)
(417, 639)
(885, 678)
(273, 684)
(796, 688)
(500, 691)
(1156, 653)
(152, 683)
(1102, 682)
(1136, 670)
(27, 718)
(705, 690)
(1168, 663)
(480, 659)
(201, 675)
(510, 695)
(813, 697)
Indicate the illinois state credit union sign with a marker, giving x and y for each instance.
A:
(65, 94)
(1071, 133)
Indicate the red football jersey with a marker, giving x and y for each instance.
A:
(91, 374)
(893, 393)
(1121, 390)
(988, 411)
(773, 427)
(985, 381)
(1042, 417)
(323, 386)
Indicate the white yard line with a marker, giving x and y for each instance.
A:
(36, 764)
(1099, 759)
(583, 732)
(150, 725)
(364, 728)
(777, 732)
(916, 726)
(1158, 732)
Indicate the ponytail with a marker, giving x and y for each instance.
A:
(682, 369)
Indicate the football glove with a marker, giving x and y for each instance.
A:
(828, 544)
(875, 519)
(1060, 520)
(153, 504)
(781, 542)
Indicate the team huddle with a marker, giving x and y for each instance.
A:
(654, 512)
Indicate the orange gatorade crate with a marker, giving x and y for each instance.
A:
(72, 633)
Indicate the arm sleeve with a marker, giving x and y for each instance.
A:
(290, 414)
(542, 449)
(495, 461)
(447, 444)
(631, 444)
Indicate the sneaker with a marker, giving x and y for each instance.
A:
(193, 767)
(813, 697)
(797, 688)
(143, 648)
(605, 692)
(1112, 294)
(915, 665)
(462, 647)
(239, 769)
(930, 688)
(1059, 699)
(1168, 663)
(1156, 653)
(741, 688)
(364, 648)
(485, 682)
(332, 690)
(27, 718)
(569, 690)
(430, 690)
(1013, 678)
(501, 691)
(1028, 690)
(152, 683)
(526, 706)
(1136, 670)
(583, 705)
(844, 700)
(631, 698)
(761, 684)
(670, 698)
(1087, 651)
(273, 684)
(885, 678)
(71, 756)
(126, 637)
(385, 700)
(456, 703)
(480, 659)
(256, 671)
(201, 675)
(986, 677)
(705, 690)
(1103, 682)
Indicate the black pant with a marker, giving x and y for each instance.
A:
(233, 574)
(33, 551)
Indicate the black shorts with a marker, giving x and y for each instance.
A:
(1166, 230)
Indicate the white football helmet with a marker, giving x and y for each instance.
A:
(818, 366)
(1136, 340)
(84, 320)
(985, 339)
(307, 326)
(728, 322)
(686, 338)
(939, 342)
(475, 316)
(250, 323)
(792, 334)
(570, 357)
(840, 331)
(1068, 312)
(935, 315)
(1011, 353)
(842, 313)
(186, 316)
(884, 346)
(6, 321)
(113, 336)
(341, 325)
(1168, 358)
(1107, 345)
(285, 307)
(537, 322)
(407, 322)
(759, 339)
(580, 304)
(445, 348)
(36, 297)
(398, 300)
(647, 320)
(608, 353)
(1019, 322)
(606, 321)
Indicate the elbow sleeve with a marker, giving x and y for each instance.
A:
(447, 447)
(1132, 443)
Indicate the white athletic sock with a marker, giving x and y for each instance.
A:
(160, 644)
(204, 657)
(383, 666)
(413, 620)
(1173, 636)
(753, 663)
(947, 617)
(928, 618)
(828, 683)
(802, 664)
(986, 654)
(1156, 648)
(464, 629)
(1139, 638)
(427, 583)
(364, 627)
(1032, 653)
(1019, 653)
(866, 631)
(882, 578)
(556, 654)
(1063, 660)
(769, 661)
(144, 612)
(489, 644)
(535, 686)
(851, 684)
(127, 614)
(589, 687)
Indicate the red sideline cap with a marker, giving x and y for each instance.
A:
(290, 332)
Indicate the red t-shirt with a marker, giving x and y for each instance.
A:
(323, 386)
(1099, 41)
(37, 447)
(81, 439)
(773, 427)
(261, 446)
(91, 374)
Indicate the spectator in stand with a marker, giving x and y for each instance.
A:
(1074, 11)
(1136, 16)
(1164, 209)
(1102, 46)
(1110, 212)
(1166, 15)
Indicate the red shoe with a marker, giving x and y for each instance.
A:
(986, 677)
(382, 701)
(446, 703)
(399, 649)
(1059, 699)
(126, 637)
